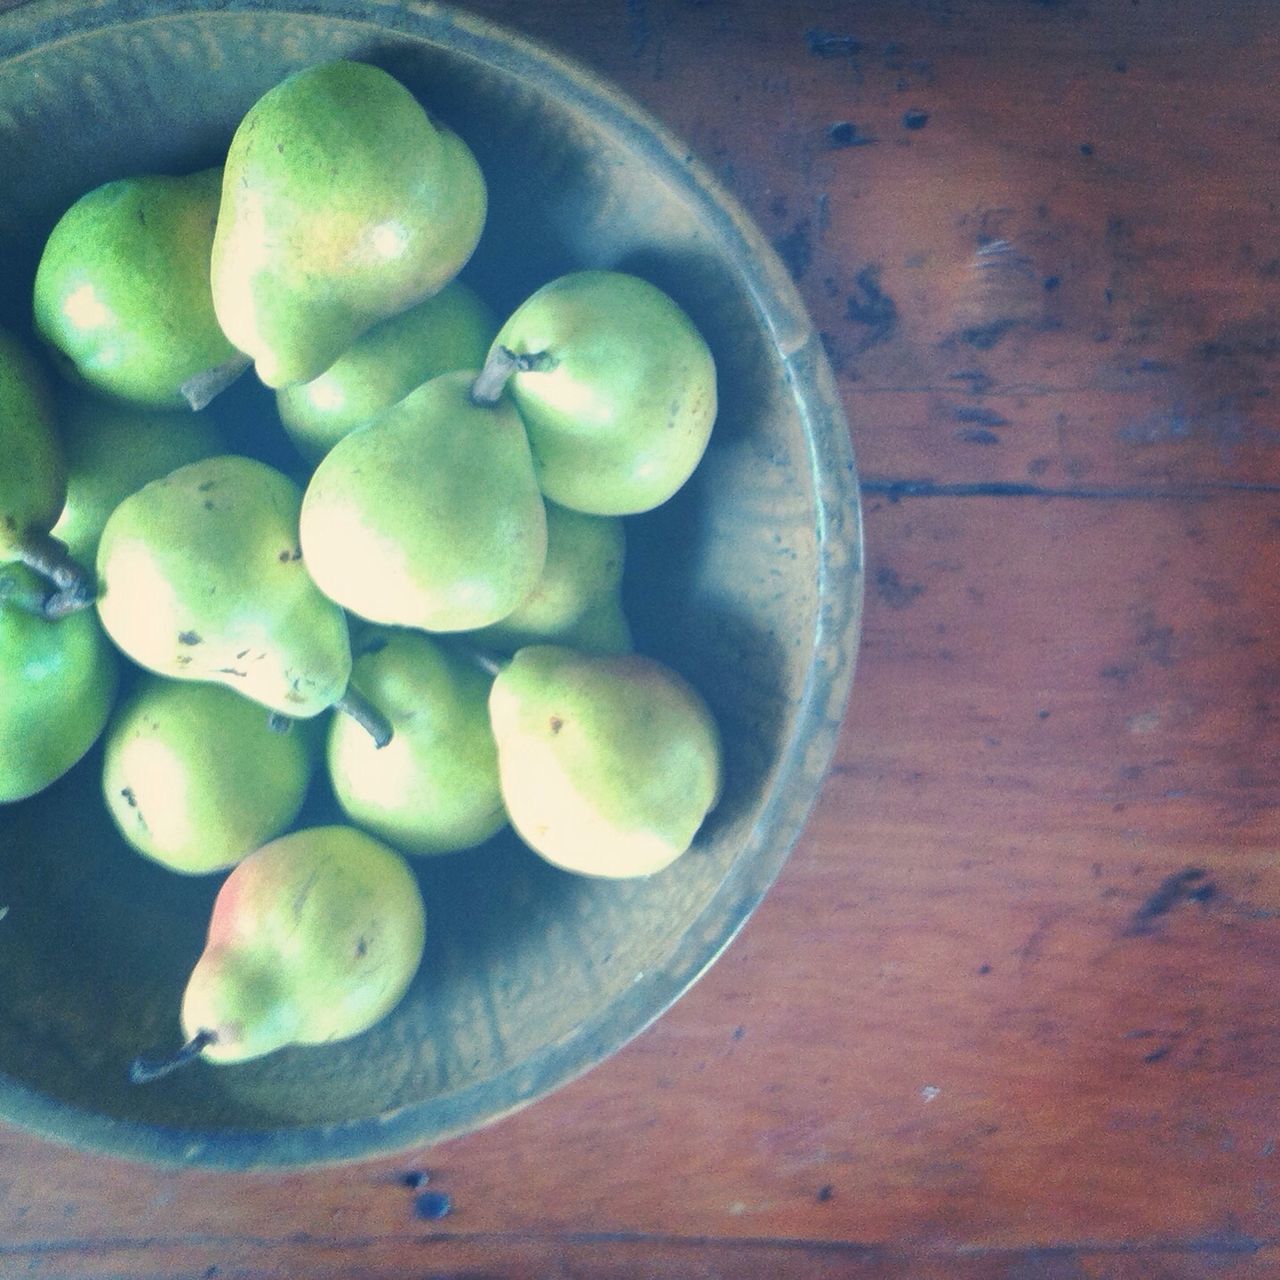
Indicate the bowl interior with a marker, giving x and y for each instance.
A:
(747, 583)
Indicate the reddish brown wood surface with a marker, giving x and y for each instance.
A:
(1011, 1009)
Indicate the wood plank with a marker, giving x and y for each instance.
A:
(534, 1258)
(980, 1008)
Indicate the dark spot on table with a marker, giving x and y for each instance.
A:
(978, 436)
(1086, 148)
(826, 44)
(978, 414)
(1051, 283)
(847, 134)
(739, 1032)
(415, 1179)
(824, 1193)
(985, 336)
(433, 1205)
(1156, 1054)
(1172, 890)
(1043, 714)
(894, 592)
(796, 248)
(915, 118)
(871, 307)
(983, 970)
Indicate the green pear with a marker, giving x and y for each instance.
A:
(201, 578)
(57, 683)
(434, 787)
(122, 290)
(576, 601)
(429, 517)
(342, 203)
(313, 938)
(450, 330)
(195, 778)
(609, 764)
(33, 479)
(616, 387)
(112, 449)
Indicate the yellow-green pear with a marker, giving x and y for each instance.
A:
(313, 938)
(434, 787)
(450, 330)
(122, 291)
(112, 449)
(201, 577)
(57, 684)
(616, 386)
(343, 203)
(577, 599)
(609, 764)
(195, 778)
(430, 516)
(33, 479)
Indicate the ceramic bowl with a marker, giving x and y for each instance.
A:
(748, 582)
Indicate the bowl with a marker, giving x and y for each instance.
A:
(749, 583)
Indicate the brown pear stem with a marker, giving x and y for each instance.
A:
(354, 704)
(492, 380)
(201, 388)
(145, 1068)
(42, 553)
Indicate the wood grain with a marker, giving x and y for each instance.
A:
(1009, 1011)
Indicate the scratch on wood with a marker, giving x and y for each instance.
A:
(1182, 886)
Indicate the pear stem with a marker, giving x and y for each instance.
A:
(492, 380)
(354, 704)
(201, 388)
(42, 553)
(145, 1068)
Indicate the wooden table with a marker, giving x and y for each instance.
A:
(1010, 1011)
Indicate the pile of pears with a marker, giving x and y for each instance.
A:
(441, 571)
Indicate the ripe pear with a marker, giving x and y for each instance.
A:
(33, 479)
(201, 578)
(434, 787)
(112, 449)
(313, 938)
(122, 290)
(609, 764)
(342, 203)
(450, 330)
(195, 778)
(429, 517)
(57, 683)
(576, 601)
(616, 387)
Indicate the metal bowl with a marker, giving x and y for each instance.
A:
(749, 582)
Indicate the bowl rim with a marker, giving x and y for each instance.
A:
(804, 757)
